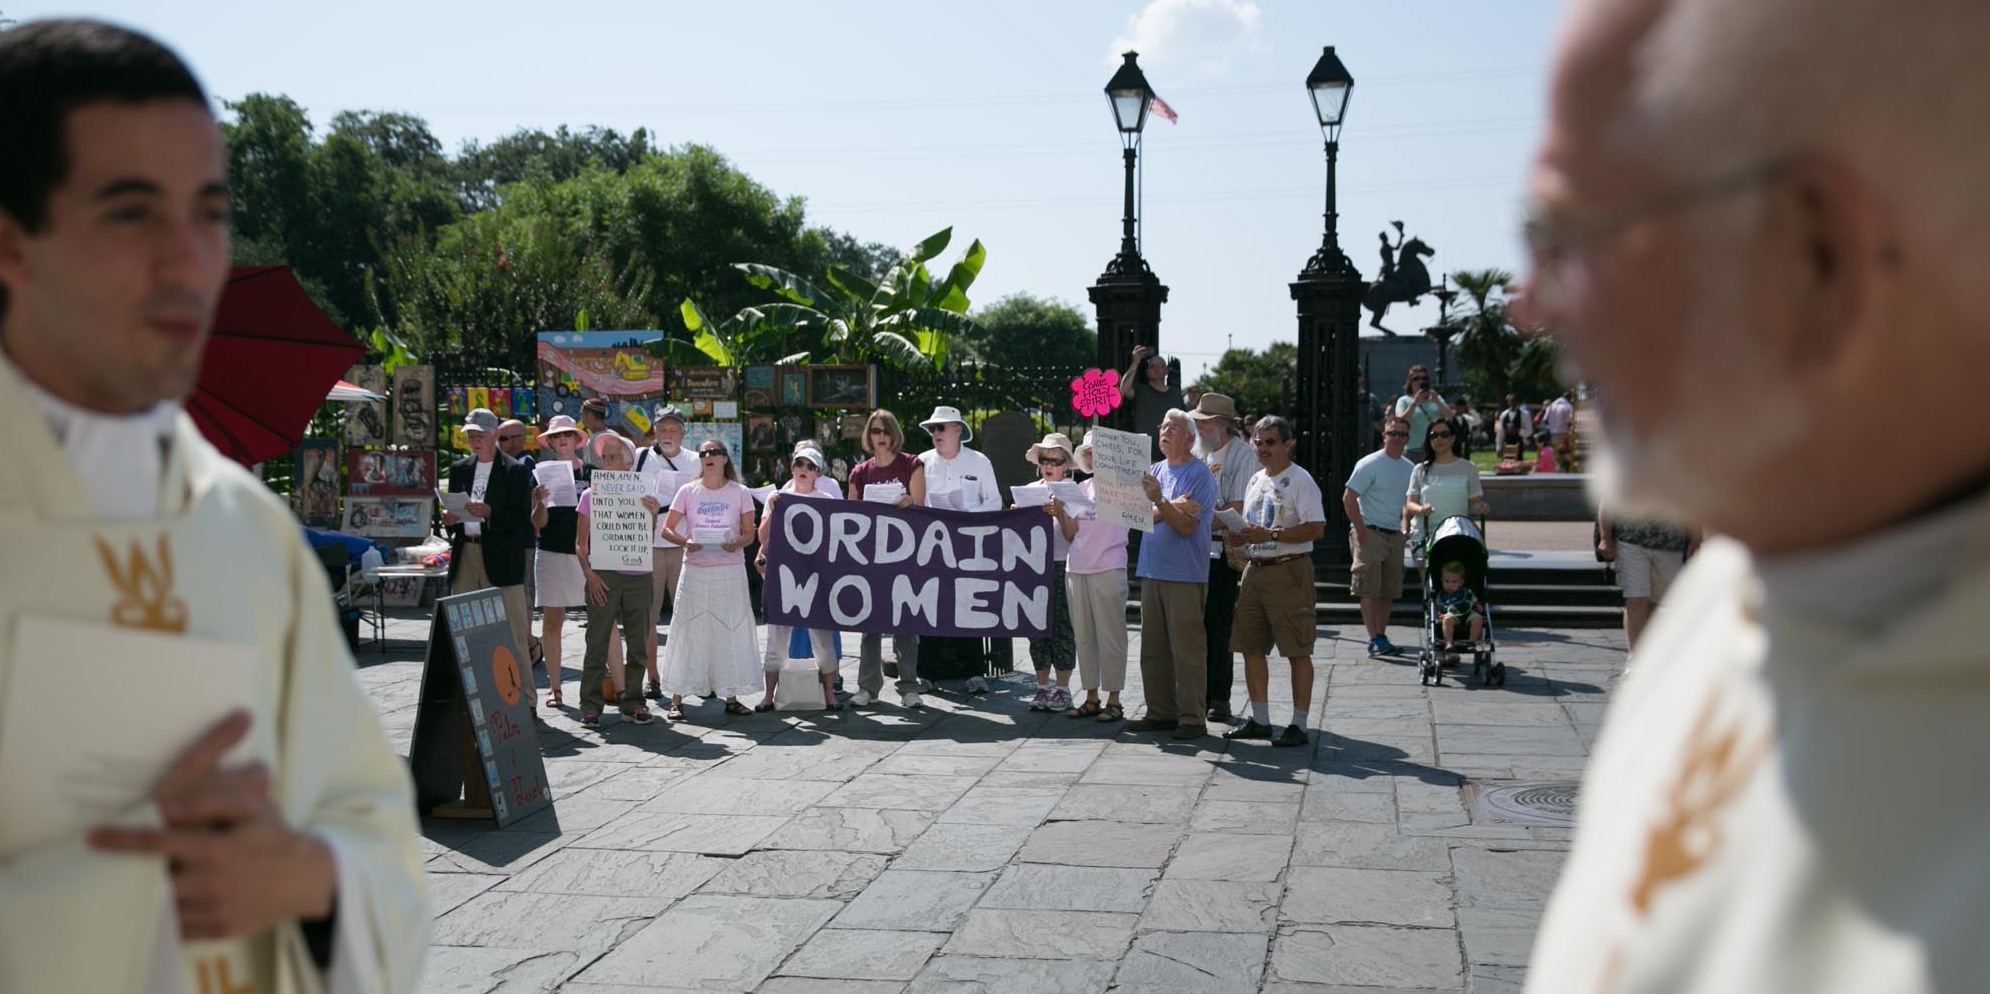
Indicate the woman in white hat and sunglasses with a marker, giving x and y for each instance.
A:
(1059, 651)
(805, 481)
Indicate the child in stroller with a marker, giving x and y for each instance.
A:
(1457, 590)
(1456, 602)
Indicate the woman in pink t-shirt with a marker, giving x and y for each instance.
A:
(711, 651)
(1095, 581)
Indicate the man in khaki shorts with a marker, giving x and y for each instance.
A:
(1373, 501)
(1286, 514)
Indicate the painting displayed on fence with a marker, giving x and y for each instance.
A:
(316, 487)
(414, 406)
(613, 365)
(366, 420)
(390, 474)
(387, 517)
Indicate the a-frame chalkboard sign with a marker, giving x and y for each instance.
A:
(476, 747)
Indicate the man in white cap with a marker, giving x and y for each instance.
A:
(291, 864)
(961, 478)
(951, 466)
(1231, 461)
(1754, 226)
(665, 454)
(487, 548)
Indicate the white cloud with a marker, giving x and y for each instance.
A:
(1201, 37)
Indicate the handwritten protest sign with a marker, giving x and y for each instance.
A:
(620, 526)
(856, 566)
(1119, 464)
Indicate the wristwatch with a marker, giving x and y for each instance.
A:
(1276, 533)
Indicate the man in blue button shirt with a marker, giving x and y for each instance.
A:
(1174, 576)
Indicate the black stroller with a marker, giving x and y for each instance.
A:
(1458, 540)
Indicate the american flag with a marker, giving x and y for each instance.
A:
(1160, 106)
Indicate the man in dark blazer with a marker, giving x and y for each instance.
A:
(487, 545)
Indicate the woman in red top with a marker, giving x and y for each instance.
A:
(884, 440)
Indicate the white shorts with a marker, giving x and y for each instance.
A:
(1646, 572)
(557, 580)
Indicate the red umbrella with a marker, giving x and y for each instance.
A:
(273, 357)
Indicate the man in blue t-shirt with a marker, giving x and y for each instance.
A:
(1373, 500)
(1174, 572)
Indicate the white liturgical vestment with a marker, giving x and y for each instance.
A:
(218, 559)
(1787, 794)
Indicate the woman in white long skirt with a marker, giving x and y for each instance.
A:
(712, 651)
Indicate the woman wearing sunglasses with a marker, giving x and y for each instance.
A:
(805, 481)
(1059, 651)
(711, 651)
(884, 440)
(1443, 485)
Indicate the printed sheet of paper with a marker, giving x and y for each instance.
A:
(1232, 519)
(884, 493)
(60, 779)
(711, 537)
(621, 529)
(457, 504)
(557, 477)
(1120, 463)
(762, 493)
(947, 500)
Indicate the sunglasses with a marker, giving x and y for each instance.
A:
(721, 453)
(1396, 434)
(1050, 462)
(880, 431)
(801, 464)
(1261, 442)
(511, 438)
(1440, 434)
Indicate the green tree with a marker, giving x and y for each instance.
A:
(1022, 330)
(484, 170)
(1257, 381)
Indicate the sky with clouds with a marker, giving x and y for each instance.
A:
(895, 119)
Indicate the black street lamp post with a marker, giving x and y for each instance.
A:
(1328, 292)
(1128, 295)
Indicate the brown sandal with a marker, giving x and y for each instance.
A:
(1112, 712)
(554, 702)
(1085, 710)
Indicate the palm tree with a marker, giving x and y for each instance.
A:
(1488, 343)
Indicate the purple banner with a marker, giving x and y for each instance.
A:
(856, 566)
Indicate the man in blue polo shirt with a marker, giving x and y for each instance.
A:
(1174, 576)
(1374, 504)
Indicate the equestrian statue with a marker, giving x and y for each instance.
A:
(1403, 279)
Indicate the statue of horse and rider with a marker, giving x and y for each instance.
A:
(1403, 279)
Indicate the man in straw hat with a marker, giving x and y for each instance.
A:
(1755, 224)
(1229, 459)
(664, 455)
(961, 478)
(276, 850)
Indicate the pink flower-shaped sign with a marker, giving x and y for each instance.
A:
(1096, 393)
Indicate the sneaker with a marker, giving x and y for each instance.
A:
(1041, 702)
(1060, 700)
(592, 719)
(1375, 646)
(1249, 730)
(862, 699)
(1151, 724)
(976, 685)
(653, 691)
(1292, 736)
(911, 699)
(640, 716)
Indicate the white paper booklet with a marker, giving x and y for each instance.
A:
(60, 783)
(557, 477)
(884, 493)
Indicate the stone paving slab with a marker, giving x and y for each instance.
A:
(975, 846)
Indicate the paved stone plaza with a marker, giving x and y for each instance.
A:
(976, 846)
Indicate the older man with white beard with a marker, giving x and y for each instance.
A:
(1773, 215)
